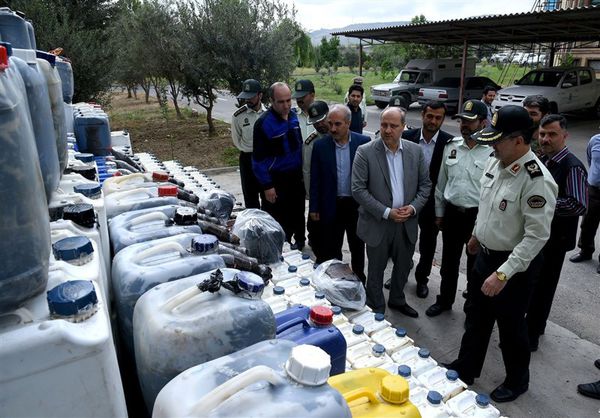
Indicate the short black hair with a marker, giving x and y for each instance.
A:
(434, 105)
(356, 87)
(488, 88)
(552, 117)
(539, 101)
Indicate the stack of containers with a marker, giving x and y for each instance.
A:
(92, 129)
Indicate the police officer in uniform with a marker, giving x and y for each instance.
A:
(517, 201)
(242, 127)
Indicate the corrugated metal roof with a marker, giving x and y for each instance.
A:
(578, 24)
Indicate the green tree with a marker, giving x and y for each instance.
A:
(303, 50)
(330, 51)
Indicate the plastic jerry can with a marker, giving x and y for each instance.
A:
(277, 301)
(418, 359)
(338, 317)
(405, 371)
(135, 199)
(311, 299)
(372, 322)
(92, 131)
(353, 333)
(14, 29)
(57, 357)
(134, 181)
(444, 381)
(317, 329)
(471, 404)
(392, 339)
(273, 378)
(171, 323)
(351, 313)
(24, 223)
(149, 224)
(434, 407)
(375, 358)
(358, 350)
(139, 267)
(375, 393)
(295, 285)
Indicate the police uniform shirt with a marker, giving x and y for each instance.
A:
(305, 128)
(515, 210)
(460, 175)
(242, 127)
(307, 147)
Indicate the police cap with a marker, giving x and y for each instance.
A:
(302, 88)
(507, 120)
(472, 110)
(317, 111)
(250, 88)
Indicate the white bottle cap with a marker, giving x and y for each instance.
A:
(308, 365)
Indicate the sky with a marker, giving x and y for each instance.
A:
(318, 14)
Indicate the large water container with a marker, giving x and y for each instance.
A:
(13, 29)
(392, 339)
(418, 359)
(149, 224)
(57, 356)
(375, 393)
(171, 323)
(41, 119)
(444, 381)
(31, 32)
(433, 406)
(46, 67)
(24, 223)
(128, 200)
(272, 378)
(317, 329)
(139, 267)
(93, 133)
(134, 181)
(65, 71)
(471, 404)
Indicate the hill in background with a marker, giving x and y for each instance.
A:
(317, 35)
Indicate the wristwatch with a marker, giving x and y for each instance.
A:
(501, 276)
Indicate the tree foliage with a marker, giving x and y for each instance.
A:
(330, 51)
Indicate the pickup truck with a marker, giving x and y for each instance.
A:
(568, 89)
(447, 90)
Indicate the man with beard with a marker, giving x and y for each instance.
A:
(537, 106)
(331, 203)
(489, 94)
(457, 199)
(355, 96)
(304, 93)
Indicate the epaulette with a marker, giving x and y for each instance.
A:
(311, 138)
(533, 169)
(241, 110)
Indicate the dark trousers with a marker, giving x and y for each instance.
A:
(315, 239)
(346, 218)
(289, 207)
(508, 309)
(428, 232)
(589, 223)
(545, 288)
(250, 186)
(395, 245)
(456, 232)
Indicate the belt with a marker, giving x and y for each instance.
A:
(487, 251)
(463, 210)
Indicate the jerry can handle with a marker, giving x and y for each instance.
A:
(157, 249)
(361, 393)
(291, 323)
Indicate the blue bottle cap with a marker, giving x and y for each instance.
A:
(71, 298)
(424, 353)
(292, 269)
(90, 190)
(305, 256)
(379, 317)
(358, 329)
(400, 332)
(404, 370)
(336, 310)
(304, 282)
(205, 243)
(250, 282)
(82, 214)
(72, 248)
(482, 400)
(85, 157)
(434, 397)
(452, 375)
(278, 290)
(320, 295)
(378, 349)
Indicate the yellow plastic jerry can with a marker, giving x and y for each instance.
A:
(375, 393)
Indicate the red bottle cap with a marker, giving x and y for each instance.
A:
(321, 315)
(167, 191)
(3, 58)
(160, 176)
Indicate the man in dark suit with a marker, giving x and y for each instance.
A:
(390, 181)
(331, 201)
(432, 141)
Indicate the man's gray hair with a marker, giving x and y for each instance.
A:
(395, 109)
(274, 86)
(344, 109)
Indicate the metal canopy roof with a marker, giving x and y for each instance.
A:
(579, 24)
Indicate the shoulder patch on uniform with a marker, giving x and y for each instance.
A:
(536, 202)
(311, 138)
(240, 110)
(533, 169)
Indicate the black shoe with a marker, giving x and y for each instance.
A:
(579, 257)
(465, 294)
(505, 394)
(422, 290)
(597, 363)
(405, 309)
(436, 309)
(591, 390)
(388, 284)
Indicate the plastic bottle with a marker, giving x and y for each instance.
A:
(434, 407)
(372, 322)
(338, 317)
(353, 333)
(471, 404)
(405, 371)
(24, 222)
(444, 381)
(418, 359)
(375, 358)
(277, 301)
(392, 339)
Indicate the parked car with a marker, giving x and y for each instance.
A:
(447, 90)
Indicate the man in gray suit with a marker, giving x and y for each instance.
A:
(390, 181)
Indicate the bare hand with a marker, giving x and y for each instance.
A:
(395, 215)
(492, 285)
(405, 213)
(271, 195)
(473, 246)
(314, 216)
(439, 222)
